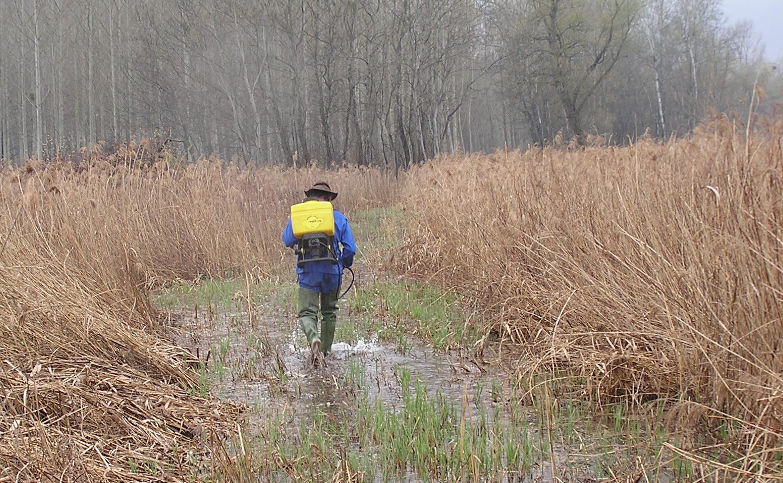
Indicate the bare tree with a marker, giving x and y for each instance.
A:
(657, 20)
(376, 82)
(584, 41)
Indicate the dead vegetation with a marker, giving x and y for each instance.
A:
(650, 271)
(89, 387)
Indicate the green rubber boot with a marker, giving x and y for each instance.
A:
(307, 308)
(328, 320)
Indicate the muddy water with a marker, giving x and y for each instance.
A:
(263, 363)
(266, 364)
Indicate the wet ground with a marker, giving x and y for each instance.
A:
(266, 362)
(259, 358)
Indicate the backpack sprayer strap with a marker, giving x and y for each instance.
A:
(320, 243)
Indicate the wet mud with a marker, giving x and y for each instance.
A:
(263, 362)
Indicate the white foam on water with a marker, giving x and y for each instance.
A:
(343, 348)
(360, 346)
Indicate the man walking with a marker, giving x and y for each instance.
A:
(319, 281)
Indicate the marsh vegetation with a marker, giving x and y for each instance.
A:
(588, 313)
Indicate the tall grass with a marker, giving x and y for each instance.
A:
(90, 387)
(650, 271)
(177, 220)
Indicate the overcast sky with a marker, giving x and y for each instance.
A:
(767, 18)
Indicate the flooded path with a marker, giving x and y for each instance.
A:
(258, 358)
(264, 362)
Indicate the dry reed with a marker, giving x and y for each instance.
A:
(650, 271)
(89, 387)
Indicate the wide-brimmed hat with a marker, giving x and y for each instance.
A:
(321, 189)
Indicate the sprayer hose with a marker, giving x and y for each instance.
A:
(353, 277)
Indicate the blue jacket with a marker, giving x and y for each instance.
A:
(325, 276)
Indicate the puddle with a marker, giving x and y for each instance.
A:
(263, 365)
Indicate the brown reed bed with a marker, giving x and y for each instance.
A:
(180, 220)
(89, 386)
(650, 271)
(89, 390)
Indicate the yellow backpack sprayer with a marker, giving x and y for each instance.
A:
(313, 224)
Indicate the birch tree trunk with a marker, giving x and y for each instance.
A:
(113, 74)
(59, 137)
(128, 69)
(250, 88)
(282, 128)
(186, 101)
(4, 148)
(90, 77)
(655, 28)
(38, 121)
(23, 152)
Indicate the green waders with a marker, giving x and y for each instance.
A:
(308, 305)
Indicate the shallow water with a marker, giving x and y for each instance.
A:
(264, 365)
(277, 346)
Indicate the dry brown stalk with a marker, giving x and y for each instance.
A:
(650, 271)
(90, 389)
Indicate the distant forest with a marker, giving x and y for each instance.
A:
(367, 82)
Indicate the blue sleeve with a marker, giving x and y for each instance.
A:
(289, 239)
(347, 242)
